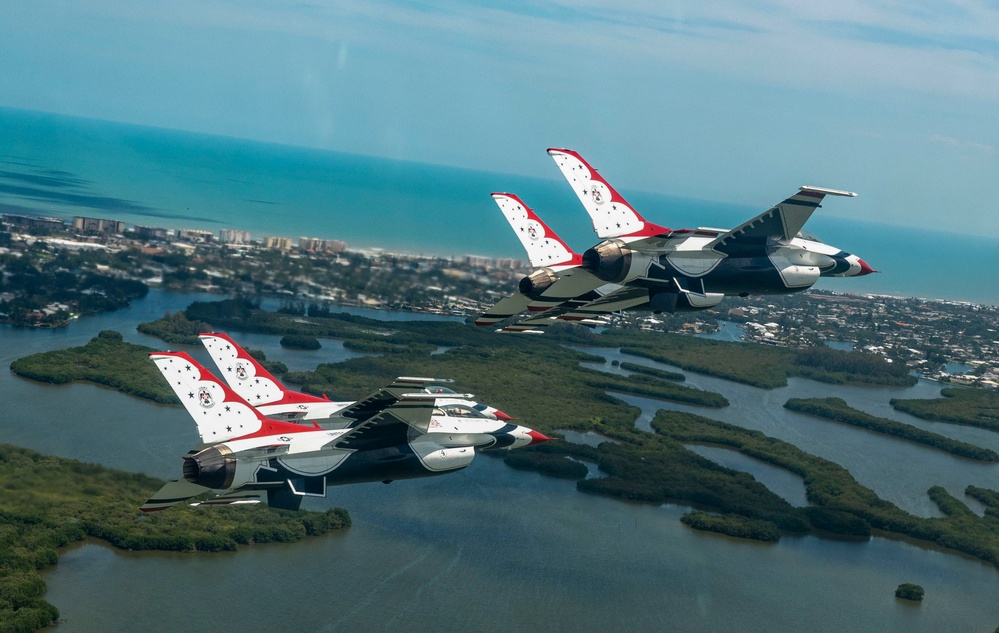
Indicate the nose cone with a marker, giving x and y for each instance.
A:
(537, 438)
(502, 416)
(865, 268)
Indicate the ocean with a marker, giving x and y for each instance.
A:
(65, 166)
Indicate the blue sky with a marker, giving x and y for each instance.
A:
(731, 101)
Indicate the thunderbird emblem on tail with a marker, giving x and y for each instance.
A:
(641, 265)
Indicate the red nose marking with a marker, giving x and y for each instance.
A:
(537, 438)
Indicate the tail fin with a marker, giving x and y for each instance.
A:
(543, 246)
(218, 411)
(611, 214)
(246, 376)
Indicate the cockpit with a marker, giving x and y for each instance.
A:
(458, 411)
(808, 235)
(435, 389)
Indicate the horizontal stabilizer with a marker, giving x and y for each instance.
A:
(173, 492)
(504, 309)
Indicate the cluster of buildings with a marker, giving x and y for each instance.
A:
(950, 341)
(100, 230)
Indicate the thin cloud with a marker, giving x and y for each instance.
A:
(970, 149)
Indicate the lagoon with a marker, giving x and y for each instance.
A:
(495, 549)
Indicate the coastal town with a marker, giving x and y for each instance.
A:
(53, 271)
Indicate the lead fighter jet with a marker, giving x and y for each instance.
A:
(641, 265)
(244, 455)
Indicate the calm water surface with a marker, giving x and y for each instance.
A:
(494, 549)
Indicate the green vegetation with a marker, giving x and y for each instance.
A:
(561, 466)
(298, 341)
(988, 498)
(732, 525)
(747, 363)
(652, 371)
(175, 328)
(659, 469)
(384, 347)
(971, 407)
(838, 522)
(758, 365)
(830, 486)
(557, 458)
(49, 502)
(826, 364)
(837, 410)
(276, 367)
(909, 591)
(547, 388)
(106, 360)
(496, 369)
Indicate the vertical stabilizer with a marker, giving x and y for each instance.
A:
(543, 246)
(246, 375)
(219, 413)
(611, 214)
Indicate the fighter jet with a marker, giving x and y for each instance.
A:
(641, 265)
(244, 454)
(555, 262)
(256, 385)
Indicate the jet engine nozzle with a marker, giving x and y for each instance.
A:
(537, 282)
(213, 468)
(608, 261)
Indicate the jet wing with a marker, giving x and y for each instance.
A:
(387, 396)
(586, 309)
(779, 223)
(623, 298)
(392, 426)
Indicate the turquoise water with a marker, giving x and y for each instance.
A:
(64, 166)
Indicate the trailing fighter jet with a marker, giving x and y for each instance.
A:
(555, 262)
(259, 387)
(641, 265)
(244, 454)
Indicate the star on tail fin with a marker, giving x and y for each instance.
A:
(611, 214)
(543, 246)
(218, 411)
(246, 375)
